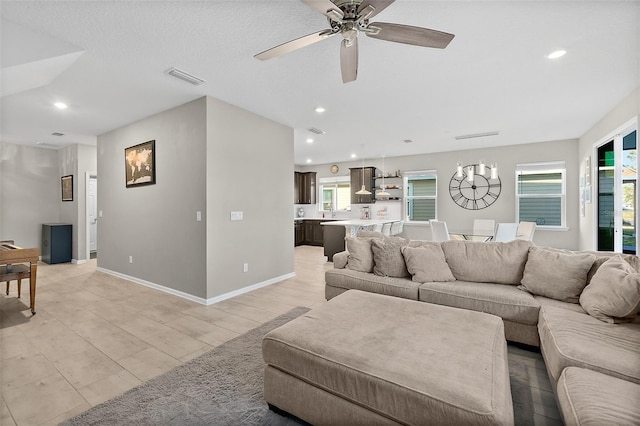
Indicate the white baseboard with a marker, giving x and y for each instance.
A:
(78, 262)
(193, 298)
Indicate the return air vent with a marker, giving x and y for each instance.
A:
(478, 135)
(407, 141)
(316, 131)
(47, 145)
(57, 134)
(185, 76)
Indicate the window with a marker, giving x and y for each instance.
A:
(420, 195)
(540, 193)
(336, 195)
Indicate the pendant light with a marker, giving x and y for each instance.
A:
(384, 192)
(363, 190)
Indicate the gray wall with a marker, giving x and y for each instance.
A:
(30, 192)
(249, 169)
(627, 110)
(156, 224)
(210, 157)
(503, 210)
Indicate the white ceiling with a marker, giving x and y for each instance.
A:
(107, 61)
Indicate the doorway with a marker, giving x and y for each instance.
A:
(617, 193)
(92, 216)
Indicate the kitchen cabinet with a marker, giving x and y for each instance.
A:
(309, 232)
(304, 188)
(359, 174)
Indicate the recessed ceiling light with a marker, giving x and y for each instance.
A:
(308, 160)
(353, 156)
(60, 105)
(557, 54)
(320, 110)
(309, 140)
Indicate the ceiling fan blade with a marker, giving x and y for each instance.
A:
(349, 60)
(323, 6)
(378, 5)
(407, 34)
(292, 45)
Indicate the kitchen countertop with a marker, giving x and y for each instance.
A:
(360, 222)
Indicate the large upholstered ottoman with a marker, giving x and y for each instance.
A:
(364, 358)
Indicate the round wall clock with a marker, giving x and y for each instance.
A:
(334, 169)
(476, 195)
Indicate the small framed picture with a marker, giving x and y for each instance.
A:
(140, 164)
(67, 188)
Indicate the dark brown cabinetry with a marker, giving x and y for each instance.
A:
(304, 188)
(309, 232)
(356, 184)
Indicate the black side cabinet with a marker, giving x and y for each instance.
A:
(56, 243)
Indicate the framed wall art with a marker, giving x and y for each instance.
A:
(67, 187)
(140, 164)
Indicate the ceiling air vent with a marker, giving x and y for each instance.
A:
(316, 131)
(57, 134)
(407, 141)
(478, 135)
(47, 145)
(185, 76)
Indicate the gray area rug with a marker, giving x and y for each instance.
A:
(224, 387)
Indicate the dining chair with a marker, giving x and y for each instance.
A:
(506, 232)
(439, 231)
(16, 272)
(396, 227)
(525, 231)
(484, 227)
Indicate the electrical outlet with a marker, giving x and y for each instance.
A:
(245, 267)
(130, 259)
(198, 216)
(236, 215)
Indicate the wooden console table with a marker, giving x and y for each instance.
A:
(12, 259)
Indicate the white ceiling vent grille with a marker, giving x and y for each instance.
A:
(185, 76)
(316, 131)
(57, 134)
(478, 135)
(47, 145)
(407, 141)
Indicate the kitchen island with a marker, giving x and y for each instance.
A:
(336, 231)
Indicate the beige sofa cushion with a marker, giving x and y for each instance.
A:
(503, 300)
(587, 397)
(570, 338)
(427, 263)
(387, 257)
(614, 292)
(347, 279)
(492, 262)
(360, 254)
(556, 275)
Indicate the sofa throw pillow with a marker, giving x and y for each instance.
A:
(427, 263)
(556, 275)
(613, 295)
(493, 262)
(360, 255)
(387, 257)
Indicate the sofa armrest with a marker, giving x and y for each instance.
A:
(340, 259)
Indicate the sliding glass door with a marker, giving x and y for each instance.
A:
(616, 197)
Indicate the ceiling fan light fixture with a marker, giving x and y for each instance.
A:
(185, 76)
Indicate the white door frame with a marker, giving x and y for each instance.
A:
(87, 177)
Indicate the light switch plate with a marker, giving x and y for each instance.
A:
(236, 215)
(199, 216)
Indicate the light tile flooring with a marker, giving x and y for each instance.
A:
(96, 336)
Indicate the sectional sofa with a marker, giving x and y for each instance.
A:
(580, 308)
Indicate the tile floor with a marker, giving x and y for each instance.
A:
(96, 336)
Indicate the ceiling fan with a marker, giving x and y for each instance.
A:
(348, 17)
